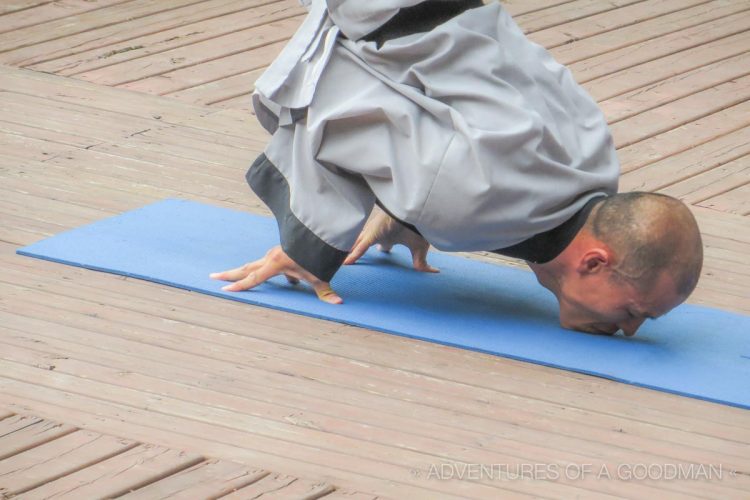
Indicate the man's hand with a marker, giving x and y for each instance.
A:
(383, 230)
(274, 263)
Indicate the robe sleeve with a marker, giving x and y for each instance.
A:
(320, 209)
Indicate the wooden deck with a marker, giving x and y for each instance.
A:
(43, 459)
(107, 105)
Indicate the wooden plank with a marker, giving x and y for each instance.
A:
(710, 76)
(57, 458)
(142, 295)
(224, 89)
(656, 70)
(107, 172)
(135, 133)
(227, 170)
(341, 427)
(171, 48)
(191, 76)
(57, 29)
(116, 476)
(736, 201)
(280, 486)
(684, 137)
(520, 7)
(55, 10)
(566, 12)
(128, 103)
(539, 457)
(19, 433)
(349, 495)
(241, 102)
(132, 70)
(615, 15)
(52, 140)
(14, 5)
(641, 489)
(330, 448)
(193, 364)
(15, 423)
(713, 182)
(315, 413)
(97, 124)
(86, 194)
(698, 17)
(209, 479)
(688, 109)
(688, 163)
(221, 441)
(147, 17)
(274, 334)
(731, 227)
(74, 119)
(650, 49)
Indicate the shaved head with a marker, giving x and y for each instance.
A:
(650, 234)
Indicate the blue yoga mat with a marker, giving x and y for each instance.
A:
(693, 351)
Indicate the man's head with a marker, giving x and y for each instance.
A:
(638, 256)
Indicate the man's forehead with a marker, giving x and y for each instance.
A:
(657, 300)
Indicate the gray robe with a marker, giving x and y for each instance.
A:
(469, 132)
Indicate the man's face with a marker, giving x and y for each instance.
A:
(597, 303)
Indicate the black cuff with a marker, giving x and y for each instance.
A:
(302, 245)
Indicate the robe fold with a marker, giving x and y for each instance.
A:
(468, 131)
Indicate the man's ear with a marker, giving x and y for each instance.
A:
(594, 261)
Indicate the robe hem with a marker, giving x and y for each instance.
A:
(302, 245)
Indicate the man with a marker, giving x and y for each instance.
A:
(469, 137)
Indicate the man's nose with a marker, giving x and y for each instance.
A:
(631, 326)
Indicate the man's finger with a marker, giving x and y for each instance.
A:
(326, 293)
(358, 251)
(253, 279)
(237, 273)
(419, 259)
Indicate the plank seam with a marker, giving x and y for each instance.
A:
(46, 40)
(491, 484)
(574, 19)
(62, 17)
(733, 33)
(169, 472)
(72, 470)
(625, 417)
(177, 432)
(259, 339)
(40, 4)
(544, 8)
(226, 75)
(4, 455)
(249, 27)
(652, 82)
(719, 165)
(656, 37)
(454, 442)
(73, 52)
(622, 26)
(692, 119)
(694, 90)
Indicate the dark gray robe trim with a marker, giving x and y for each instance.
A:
(300, 244)
(546, 246)
(420, 18)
